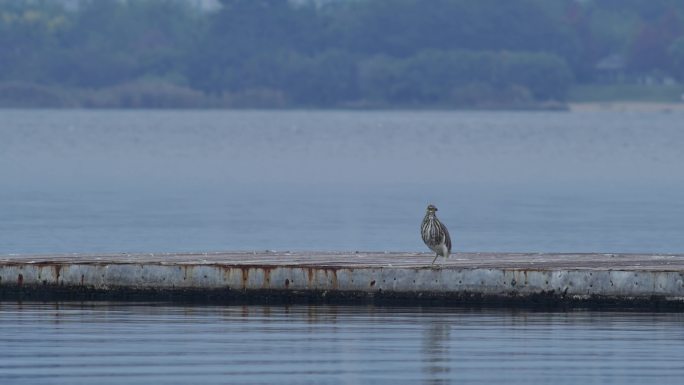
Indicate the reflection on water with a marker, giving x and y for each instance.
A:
(110, 343)
(436, 351)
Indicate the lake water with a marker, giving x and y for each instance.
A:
(96, 181)
(108, 343)
(144, 181)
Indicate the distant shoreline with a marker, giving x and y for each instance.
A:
(164, 95)
(623, 106)
(582, 107)
(146, 95)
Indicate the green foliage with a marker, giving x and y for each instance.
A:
(649, 49)
(29, 34)
(112, 41)
(145, 95)
(405, 27)
(353, 52)
(21, 95)
(435, 76)
(676, 52)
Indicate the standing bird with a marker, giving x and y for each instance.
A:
(435, 234)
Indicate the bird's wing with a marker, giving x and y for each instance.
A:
(447, 238)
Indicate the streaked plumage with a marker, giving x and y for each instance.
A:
(435, 234)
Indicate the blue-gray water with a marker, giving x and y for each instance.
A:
(93, 181)
(113, 181)
(108, 343)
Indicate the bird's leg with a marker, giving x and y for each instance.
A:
(433, 261)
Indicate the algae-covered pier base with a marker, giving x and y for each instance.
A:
(358, 277)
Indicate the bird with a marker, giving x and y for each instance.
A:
(435, 234)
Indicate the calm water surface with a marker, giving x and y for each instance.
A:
(108, 343)
(145, 181)
(95, 181)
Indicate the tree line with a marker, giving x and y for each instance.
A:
(335, 53)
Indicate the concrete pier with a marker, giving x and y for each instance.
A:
(466, 278)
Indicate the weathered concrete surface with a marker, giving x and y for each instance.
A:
(508, 278)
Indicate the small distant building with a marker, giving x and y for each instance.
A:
(207, 5)
(611, 69)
